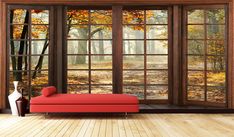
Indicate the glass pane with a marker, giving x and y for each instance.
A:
(156, 16)
(77, 47)
(196, 93)
(134, 90)
(17, 49)
(101, 32)
(77, 77)
(133, 62)
(16, 61)
(156, 32)
(77, 16)
(196, 62)
(36, 90)
(133, 16)
(101, 62)
(77, 62)
(40, 62)
(133, 77)
(216, 47)
(40, 47)
(196, 32)
(157, 77)
(196, 47)
(101, 77)
(39, 78)
(216, 16)
(196, 78)
(216, 78)
(216, 31)
(216, 94)
(101, 47)
(101, 16)
(133, 32)
(157, 92)
(78, 32)
(133, 47)
(216, 63)
(40, 17)
(19, 16)
(157, 62)
(196, 16)
(101, 89)
(40, 32)
(22, 77)
(157, 47)
(77, 89)
(19, 32)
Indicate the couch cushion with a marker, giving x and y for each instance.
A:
(48, 91)
(84, 99)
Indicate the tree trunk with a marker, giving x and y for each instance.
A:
(13, 58)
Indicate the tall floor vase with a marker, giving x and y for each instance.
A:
(13, 97)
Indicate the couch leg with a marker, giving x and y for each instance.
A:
(46, 114)
(126, 115)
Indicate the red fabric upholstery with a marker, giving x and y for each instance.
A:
(47, 91)
(85, 103)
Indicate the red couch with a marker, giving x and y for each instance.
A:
(53, 102)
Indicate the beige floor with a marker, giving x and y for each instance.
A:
(137, 125)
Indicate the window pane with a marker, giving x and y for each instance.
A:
(216, 78)
(22, 77)
(133, 16)
(77, 62)
(196, 93)
(157, 92)
(101, 32)
(78, 32)
(40, 47)
(101, 89)
(19, 16)
(133, 62)
(133, 47)
(157, 47)
(36, 90)
(156, 32)
(216, 94)
(216, 63)
(133, 32)
(77, 77)
(216, 31)
(77, 47)
(196, 16)
(101, 62)
(16, 61)
(77, 89)
(196, 62)
(101, 16)
(40, 32)
(196, 78)
(196, 32)
(134, 90)
(18, 32)
(157, 62)
(39, 78)
(40, 16)
(157, 77)
(77, 16)
(216, 16)
(101, 77)
(196, 47)
(215, 47)
(101, 47)
(17, 49)
(133, 77)
(40, 61)
(156, 17)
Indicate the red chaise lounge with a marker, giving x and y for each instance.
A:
(50, 101)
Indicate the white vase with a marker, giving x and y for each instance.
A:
(13, 97)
